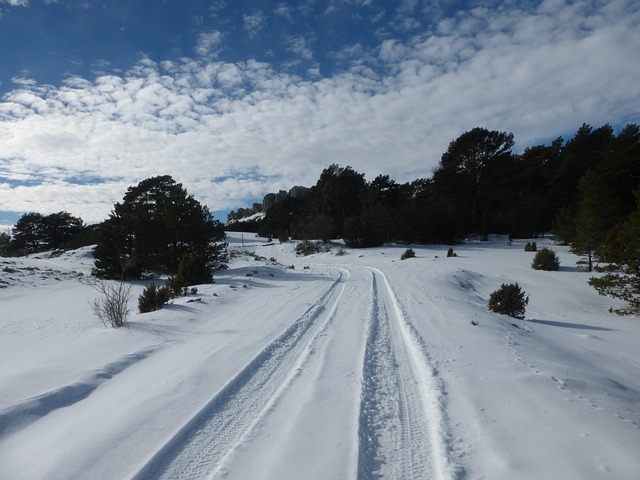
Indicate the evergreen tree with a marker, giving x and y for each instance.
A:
(564, 225)
(589, 148)
(595, 215)
(533, 211)
(378, 221)
(28, 233)
(468, 170)
(5, 244)
(621, 252)
(368, 229)
(37, 232)
(193, 270)
(61, 228)
(621, 171)
(334, 198)
(156, 224)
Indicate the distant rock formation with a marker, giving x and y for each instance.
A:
(270, 199)
(299, 192)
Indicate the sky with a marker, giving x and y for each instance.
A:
(238, 98)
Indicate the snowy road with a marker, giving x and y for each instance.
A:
(379, 404)
(403, 433)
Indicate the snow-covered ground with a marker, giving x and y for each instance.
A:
(353, 366)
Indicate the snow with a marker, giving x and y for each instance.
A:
(358, 365)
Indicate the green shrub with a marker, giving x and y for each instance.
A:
(546, 259)
(307, 247)
(408, 253)
(153, 298)
(531, 247)
(193, 270)
(451, 253)
(509, 300)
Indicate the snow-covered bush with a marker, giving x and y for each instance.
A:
(510, 300)
(546, 259)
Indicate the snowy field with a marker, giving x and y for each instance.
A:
(353, 366)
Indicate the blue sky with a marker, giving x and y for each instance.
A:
(238, 98)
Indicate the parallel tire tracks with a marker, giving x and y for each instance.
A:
(402, 428)
(199, 449)
(402, 431)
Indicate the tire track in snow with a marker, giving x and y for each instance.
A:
(402, 430)
(199, 449)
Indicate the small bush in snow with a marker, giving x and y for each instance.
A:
(153, 298)
(408, 253)
(510, 300)
(531, 247)
(307, 247)
(546, 259)
(451, 253)
(112, 308)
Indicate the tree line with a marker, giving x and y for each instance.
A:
(579, 188)
(583, 190)
(35, 232)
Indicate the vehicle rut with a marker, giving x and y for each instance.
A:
(199, 449)
(402, 430)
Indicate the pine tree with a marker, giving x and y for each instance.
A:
(469, 170)
(621, 252)
(155, 225)
(564, 225)
(29, 232)
(594, 217)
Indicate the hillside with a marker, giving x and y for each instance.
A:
(352, 364)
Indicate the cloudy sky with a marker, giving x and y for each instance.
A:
(238, 98)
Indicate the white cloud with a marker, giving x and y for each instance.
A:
(233, 132)
(284, 10)
(16, 3)
(254, 23)
(299, 45)
(209, 43)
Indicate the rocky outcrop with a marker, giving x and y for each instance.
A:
(270, 199)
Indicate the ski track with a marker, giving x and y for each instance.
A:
(201, 447)
(402, 424)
